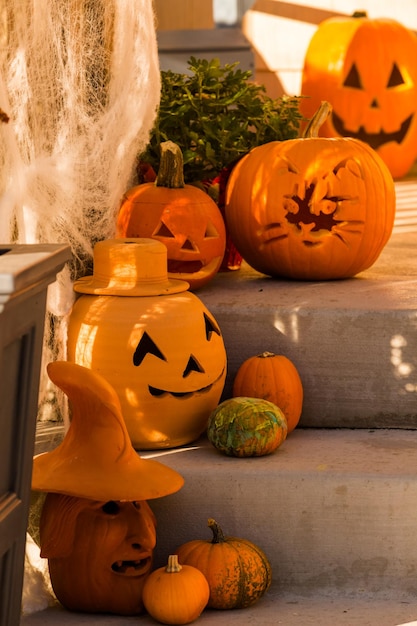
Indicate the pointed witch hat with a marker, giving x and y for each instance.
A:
(96, 459)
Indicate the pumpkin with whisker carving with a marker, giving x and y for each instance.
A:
(311, 208)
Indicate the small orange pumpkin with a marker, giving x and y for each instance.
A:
(311, 208)
(175, 594)
(238, 571)
(183, 217)
(275, 378)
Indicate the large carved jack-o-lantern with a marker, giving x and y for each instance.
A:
(367, 70)
(152, 339)
(311, 208)
(183, 217)
(96, 528)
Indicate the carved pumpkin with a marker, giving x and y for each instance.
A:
(311, 208)
(183, 217)
(176, 594)
(275, 378)
(246, 427)
(99, 553)
(367, 69)
(238, 571)
(162, 353)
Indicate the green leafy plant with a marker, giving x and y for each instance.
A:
(216, 114)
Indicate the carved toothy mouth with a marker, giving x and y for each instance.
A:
(181, 267)
(375, 140)
(191, 267)
(132, 568)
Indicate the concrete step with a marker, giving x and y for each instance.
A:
(353, 341)
(334, 510)
(271, 610)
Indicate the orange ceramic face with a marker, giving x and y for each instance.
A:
(367, 70)
(99, 553)
(186, 220)
(313, 214)
(163, 355)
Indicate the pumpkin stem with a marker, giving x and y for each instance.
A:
(171, 166)
(318, 119)
(218, 536)
(173, 566)
(360, 14)
(265, 354)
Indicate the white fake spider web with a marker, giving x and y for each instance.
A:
(80, 82)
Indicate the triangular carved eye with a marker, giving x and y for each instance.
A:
(146, 346)
(211, 231)
(163, 231)
(396, 78)
(192, 366)
(210, 327)
(353, 78)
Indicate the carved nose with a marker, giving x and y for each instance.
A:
(192, 366)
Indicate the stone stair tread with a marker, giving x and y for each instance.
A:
(353, 341)
(272, 610)
(334, 509)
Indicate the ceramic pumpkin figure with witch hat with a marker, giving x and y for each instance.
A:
(152, 339)
(367, 69)
(96, 528)
(183, 217)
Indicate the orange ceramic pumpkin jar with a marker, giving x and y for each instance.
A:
(367, 69)
(151, 339)
(311, 208)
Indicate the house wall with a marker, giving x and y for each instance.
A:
(183, 14)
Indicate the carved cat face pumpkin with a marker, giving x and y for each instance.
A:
(367, 70)
(311, 209)
(99, 553)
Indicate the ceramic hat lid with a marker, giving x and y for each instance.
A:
(96, 459)
(130, 267)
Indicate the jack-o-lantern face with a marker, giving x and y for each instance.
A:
(99, 553)
(163, 355)
(367, 70)
(186, 220)
(310, 209)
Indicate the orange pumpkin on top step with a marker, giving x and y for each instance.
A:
(311, 208)
(367, 69)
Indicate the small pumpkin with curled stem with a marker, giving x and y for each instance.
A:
(175, 594)
(238, 571)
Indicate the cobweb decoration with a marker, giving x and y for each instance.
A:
(80, 83)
